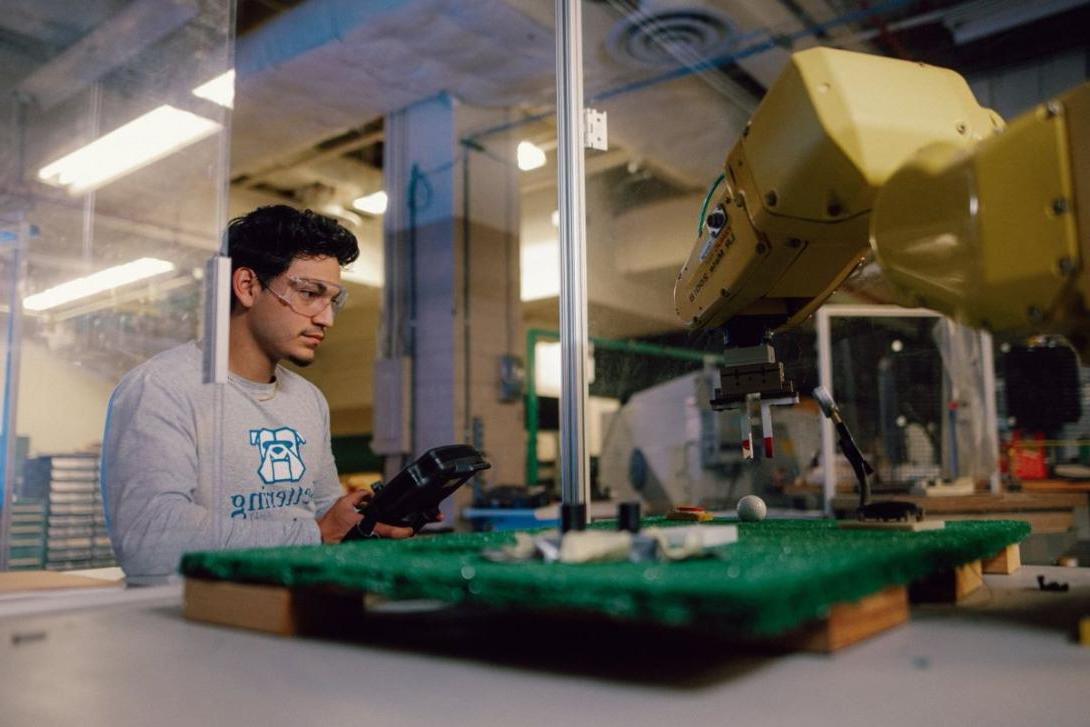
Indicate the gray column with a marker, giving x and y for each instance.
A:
(451, 303)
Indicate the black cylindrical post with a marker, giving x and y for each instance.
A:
(573, 516)
(628, 517)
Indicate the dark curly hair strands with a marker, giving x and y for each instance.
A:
(269, 238)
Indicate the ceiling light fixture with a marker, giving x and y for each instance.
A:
(372, 204)
(539, 265)
(149, 138)
(220, 90)
(530, 156)
(100, 282)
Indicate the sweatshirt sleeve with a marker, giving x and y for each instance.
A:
(150, 473)
(327, 488)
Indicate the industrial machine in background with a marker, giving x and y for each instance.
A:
(850, 155)
(1047, 435)
(667, 446)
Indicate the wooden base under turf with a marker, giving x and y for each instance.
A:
(1004, 562)
(850, 623)
(703, 596)
(949, 586)
(316, 612)
(957, 584)
(272, 609)
(287, 612)
(261, 608)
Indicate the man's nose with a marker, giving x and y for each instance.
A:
(325, 318)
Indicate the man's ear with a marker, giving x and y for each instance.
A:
(246, 286)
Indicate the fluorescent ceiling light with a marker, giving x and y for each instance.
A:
(539, 264)
(372, 204)
(103, 280)
(530, 156)
(220, 90)
(149, 138)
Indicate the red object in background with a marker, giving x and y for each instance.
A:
(1028, 462)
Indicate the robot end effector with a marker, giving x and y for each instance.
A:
(752, 378)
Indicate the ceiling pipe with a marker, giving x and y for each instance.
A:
(305, 28)
(310, 156)
(114, 43)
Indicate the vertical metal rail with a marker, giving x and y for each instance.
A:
(571, 193)
(991, 416)
(12, 355)
(532, 407)
(825, 379)
(218, 305)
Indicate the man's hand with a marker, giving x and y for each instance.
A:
(343, 516)
(392, 531)
(397, 533)
(387, 531)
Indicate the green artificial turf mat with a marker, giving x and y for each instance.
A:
(780, 573)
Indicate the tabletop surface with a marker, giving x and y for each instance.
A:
(1004, 657)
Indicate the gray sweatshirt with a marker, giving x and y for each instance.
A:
(159, 463)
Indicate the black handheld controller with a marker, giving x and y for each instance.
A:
(411, 499)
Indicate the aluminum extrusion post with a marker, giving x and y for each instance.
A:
(12, 351)
(574, 467)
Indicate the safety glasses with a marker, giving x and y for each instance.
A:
(309, 297)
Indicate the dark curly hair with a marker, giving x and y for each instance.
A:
(269, 238)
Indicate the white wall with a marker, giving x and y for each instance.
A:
(607, 283)
(61, 407)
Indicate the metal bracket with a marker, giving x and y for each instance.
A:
(512, 379)
(595, 130)
(217, 311)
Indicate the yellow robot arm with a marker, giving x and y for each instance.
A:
(849, 152)
(992, 236)
(800, 184)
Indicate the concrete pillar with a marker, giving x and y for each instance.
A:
(451, 305)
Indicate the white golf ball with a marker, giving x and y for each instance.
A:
(752, 509)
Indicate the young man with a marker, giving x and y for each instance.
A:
(277, 482)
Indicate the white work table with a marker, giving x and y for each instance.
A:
(1003, 658)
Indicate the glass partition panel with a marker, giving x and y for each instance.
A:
(888, 381)
(675, 102)
(426, 130)
(113, 196)
(918, 393)
(687, 253)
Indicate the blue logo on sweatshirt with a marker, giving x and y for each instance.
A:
(281, 460)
